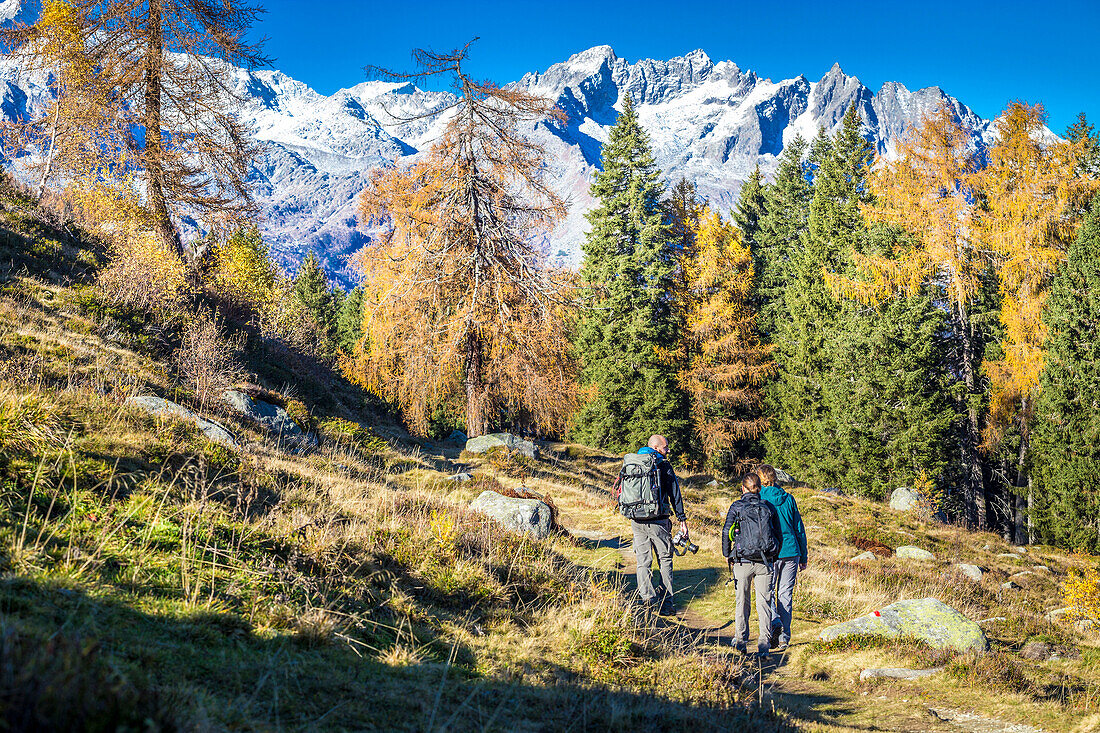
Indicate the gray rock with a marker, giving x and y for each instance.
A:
(483, 443)
(1020, 550)
(897, 673)
(1038, 651)
(863, 556)
(529, 516)
(912, 552)
(713, 483)
(456, 436)
(973, 572)
(1057, 614)
(1009, 556)
(1023, 577)
(782, 477)
(929, 619)
(993, 620)
(833, 490)
(905, 500)
(1040, 568)
(273, 420)
(1009, 586)
(460, 477)
(159, 407)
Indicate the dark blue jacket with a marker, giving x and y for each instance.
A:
(790, 521)
(670, 488)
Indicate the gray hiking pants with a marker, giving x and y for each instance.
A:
(749, 575)
(784, 574)
(653, 538)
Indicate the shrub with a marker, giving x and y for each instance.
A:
(353, 435)
(509, 463)
(147, 276)
(206, 361)
(1081, 592)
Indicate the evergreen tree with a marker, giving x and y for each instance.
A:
(1086, 140)
(349, 321)
(750, 210)
(312, 290)
(786, 211)
(684, 209)
(627, 339)
(1066, 437)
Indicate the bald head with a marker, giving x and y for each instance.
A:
(659, 444)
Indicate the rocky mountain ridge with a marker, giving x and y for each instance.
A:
(711, 122)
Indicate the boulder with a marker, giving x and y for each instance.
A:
(456, 436)
(1009, 586)
(905, 500)
(460, 477)
(1023, 578)
(529, 516)
(897, 673)
(483, 443)
(272, 419)
(973, 572)
(833, 490)
(1057, 614)
(1038, 651)
(782, 477)
(863, 556)
(160, 407)
(912, 552)
(928, 619)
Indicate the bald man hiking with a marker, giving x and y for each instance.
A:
(648, 492)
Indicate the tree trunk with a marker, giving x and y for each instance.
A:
(154, 142)
(1023, 481)
(476, 420)
(48, 167)
(972, 463)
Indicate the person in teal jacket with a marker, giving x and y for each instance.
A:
(792, 555)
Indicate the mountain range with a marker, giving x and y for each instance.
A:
(710, 122)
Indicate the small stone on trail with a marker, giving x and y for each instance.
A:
(897, 673)
(973, 572)
(863, 556)
(911, 552)
(1038, 651)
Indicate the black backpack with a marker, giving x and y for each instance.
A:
(639, 486)
(752, 534)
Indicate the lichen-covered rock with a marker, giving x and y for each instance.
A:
(863, 556)
(160, 407)
(973, 572)
(912, 552)
(905, 500)
(273, 420)
(897, 673)
(928, 619)
(483, 443)
(1038, 651)
(460, 477)
(782, 477)
(530, 516)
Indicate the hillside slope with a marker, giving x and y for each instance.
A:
(153, 579)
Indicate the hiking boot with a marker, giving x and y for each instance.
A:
(740, 648)
(780, 646)
(667, 607)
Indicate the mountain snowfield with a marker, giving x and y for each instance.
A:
(711, 122)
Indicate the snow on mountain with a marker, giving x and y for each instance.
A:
(711, 122)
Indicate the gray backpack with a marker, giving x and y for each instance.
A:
(639, 487)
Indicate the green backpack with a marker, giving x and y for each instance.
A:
(639, 486)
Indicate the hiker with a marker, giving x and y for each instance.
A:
(792, 555)
(750, 542)
(647, 487)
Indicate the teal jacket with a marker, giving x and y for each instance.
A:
(794, 534)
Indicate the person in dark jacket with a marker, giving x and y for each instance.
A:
(654, 536)
(792, 555)
(754, 570)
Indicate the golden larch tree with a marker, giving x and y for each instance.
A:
(456, 299)
(727, 363)
(929, 189)
(1032, 195)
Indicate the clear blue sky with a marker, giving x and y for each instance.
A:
(984, 53)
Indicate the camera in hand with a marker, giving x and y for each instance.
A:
(681, 545)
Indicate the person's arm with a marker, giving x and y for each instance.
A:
(730, 517)
(800, 535)
(676, 499)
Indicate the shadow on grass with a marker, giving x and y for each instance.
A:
(79, 661)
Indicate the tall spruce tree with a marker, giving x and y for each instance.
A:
(349, 320)
(786, 211)
(1066, 437)
(750, 210)
(312, 290)
(628, 335)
